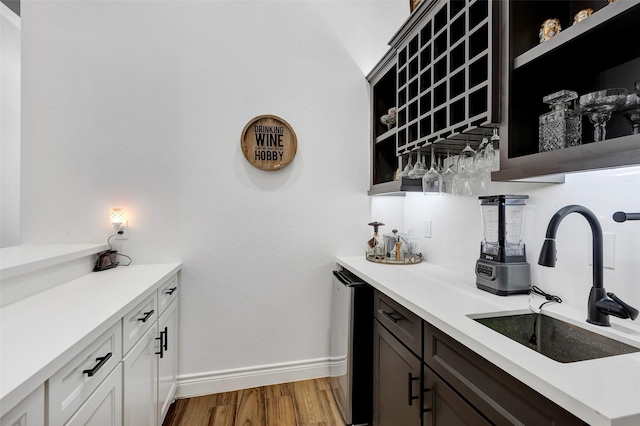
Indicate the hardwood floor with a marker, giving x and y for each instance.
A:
(304, 403)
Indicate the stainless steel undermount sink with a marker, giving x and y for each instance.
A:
(554, 338)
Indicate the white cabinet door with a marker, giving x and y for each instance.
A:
(168, 361)
(104, 406)
(70, 386)
(141, 380)
(28, 412)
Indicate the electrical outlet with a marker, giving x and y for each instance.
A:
(427, 228)
(125, 232)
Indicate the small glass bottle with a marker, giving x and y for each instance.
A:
(562, 126)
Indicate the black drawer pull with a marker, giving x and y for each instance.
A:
(147, 315)
(101, 361)
(410, 382)
(390, 316)
(171, 290)
(166, 338)
(161, 353)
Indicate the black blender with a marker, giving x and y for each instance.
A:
(502, 268)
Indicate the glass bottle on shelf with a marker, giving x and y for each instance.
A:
(561, 127)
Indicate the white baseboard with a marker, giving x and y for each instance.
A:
(190, 385)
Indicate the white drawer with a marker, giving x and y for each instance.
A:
(70, 386)
(104, 406)
(167, 293)
(138, 321)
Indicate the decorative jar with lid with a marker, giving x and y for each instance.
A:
(561, 127)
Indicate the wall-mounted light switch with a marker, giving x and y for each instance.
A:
(427, 228)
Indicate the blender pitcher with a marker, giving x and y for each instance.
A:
(502, 267)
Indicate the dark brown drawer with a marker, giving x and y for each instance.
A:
(500, 397)
(401, 322)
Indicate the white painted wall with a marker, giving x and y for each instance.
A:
(457, 230)
(140, 105)
(9, 127)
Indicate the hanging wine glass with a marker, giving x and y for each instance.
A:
(466, 159)
(479, 159)
(446, 186)
(491, 159)
(451, 162)
(431, 181)
(418, 168)
(407, 168)
(462, 179)
(598, 106)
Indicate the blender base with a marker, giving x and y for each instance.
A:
(503, 279)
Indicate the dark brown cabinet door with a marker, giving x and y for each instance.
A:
(396, 383)
(444, 407)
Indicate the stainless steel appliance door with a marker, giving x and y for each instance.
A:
(341, 346)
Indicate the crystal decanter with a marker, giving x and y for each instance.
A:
(561, 127)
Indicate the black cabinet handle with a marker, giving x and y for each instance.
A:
(390, 316)
(171, 290)
(147, 315)
(166, 338)
(101, 361)
(410, 387)
(161, 353)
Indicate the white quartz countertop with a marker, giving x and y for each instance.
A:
(30, 257)
(40, 334)
(603, 391)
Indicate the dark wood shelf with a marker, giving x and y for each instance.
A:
(573, 32)
(622, 151)
(592, 55)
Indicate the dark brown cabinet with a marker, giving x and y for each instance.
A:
(406, 391)
(442, 75)
(423, 377)
(591, 55)
(501, 398)
(444, 407)
(457, 68)
(396, 383)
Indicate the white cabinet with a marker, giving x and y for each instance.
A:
(73, 383)
(168, 361)
(28, 412)
(141, 380)
(151, 366)
(103, 368)
(104, 406)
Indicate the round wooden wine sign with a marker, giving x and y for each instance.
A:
(268, 142)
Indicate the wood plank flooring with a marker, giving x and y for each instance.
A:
(303, 403)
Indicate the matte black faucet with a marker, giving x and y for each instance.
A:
(601, 304)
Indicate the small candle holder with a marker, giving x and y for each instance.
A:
(549, 28)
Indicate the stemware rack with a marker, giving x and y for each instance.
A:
(442, 74)
(457, 68)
